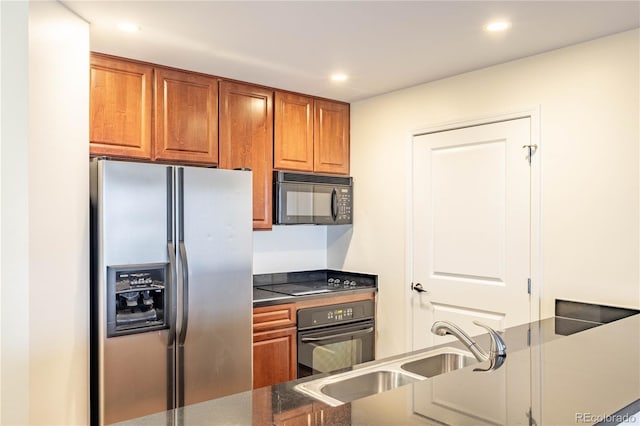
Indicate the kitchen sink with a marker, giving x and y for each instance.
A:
(366, 384)
(438, 364)
(376, 377)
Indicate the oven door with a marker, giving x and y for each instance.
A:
(306, 203)
(335, 348)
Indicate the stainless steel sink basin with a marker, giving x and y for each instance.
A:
(376, 377)
(438, 364)
(366, 384)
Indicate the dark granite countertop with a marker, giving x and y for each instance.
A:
(263, 283)
(269, 298)
(548, 378)
(264, 297)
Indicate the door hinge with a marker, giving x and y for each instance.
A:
(531, 149)
(529, 337)
(532, 421)
(529, 285)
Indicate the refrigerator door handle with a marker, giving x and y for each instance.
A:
(184, 299)
(172, 295)
(185, 294)
(171, 249)
(182, 334)
(171, 374)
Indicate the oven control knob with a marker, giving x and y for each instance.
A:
(353, 284)
(337, 281)
(330, 280)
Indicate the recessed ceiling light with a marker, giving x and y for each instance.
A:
(497, 26)
(128, 27)
(339, 77)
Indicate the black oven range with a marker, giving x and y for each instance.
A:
(330, 337)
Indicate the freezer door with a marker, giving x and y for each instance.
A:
(215, 263)
(134, 370)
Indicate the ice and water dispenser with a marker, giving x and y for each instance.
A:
(137, 298)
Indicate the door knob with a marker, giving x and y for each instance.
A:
(418, 287)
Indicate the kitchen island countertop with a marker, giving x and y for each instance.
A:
(547, 379)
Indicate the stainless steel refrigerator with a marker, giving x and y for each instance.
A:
(171, 297)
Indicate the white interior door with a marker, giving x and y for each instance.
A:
(471, 244)
(471, 213)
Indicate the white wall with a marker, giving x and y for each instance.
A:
(58, 215)
(45, 239)
(14, 228)
(290, 248)
(589, 100)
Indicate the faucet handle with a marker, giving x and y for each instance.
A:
(498, 347)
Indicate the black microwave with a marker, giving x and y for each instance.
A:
(301, 198)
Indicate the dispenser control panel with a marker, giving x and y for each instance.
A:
(137, 300)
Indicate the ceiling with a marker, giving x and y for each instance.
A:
(381, 45)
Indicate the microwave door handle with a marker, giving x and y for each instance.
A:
(334, 204)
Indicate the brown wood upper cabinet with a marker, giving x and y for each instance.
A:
(125, 94)
(246, 135)
(311, 135)
(186, 117)
(331, 137)
(120, 108)
(293, 143)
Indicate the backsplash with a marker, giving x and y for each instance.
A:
(290, 248)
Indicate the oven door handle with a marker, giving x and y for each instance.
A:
(333, 336)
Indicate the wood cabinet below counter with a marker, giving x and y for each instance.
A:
(274, 345)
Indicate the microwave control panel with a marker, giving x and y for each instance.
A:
(343, 196)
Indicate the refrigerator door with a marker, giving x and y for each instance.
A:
(131, 229)
(214, 209)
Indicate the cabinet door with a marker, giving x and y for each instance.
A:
(186, 117)
(293, 141)
(328, 416)
(272, 317)
(331, 137)
(301, 416)
(246, 138)
(120, 108)
(274, 357)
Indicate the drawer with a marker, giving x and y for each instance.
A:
(277, 316)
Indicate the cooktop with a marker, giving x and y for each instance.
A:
(313, 282)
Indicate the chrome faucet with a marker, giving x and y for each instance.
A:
(497, 350)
